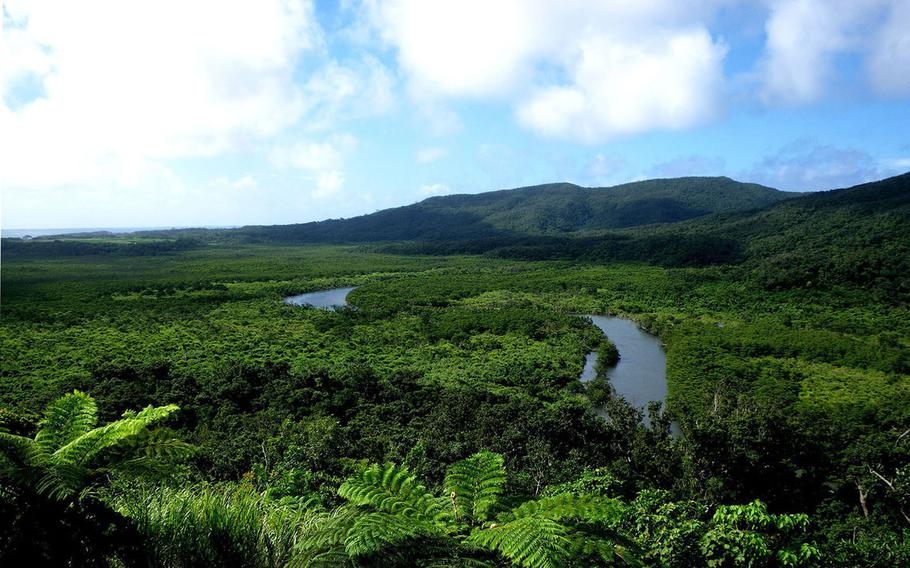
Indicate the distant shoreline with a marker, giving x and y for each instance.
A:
(19, 233)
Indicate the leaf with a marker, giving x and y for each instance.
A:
(531, 542)
(88, 445)
(374, 531)
(391, 489)
(66, 419)
(475, 484)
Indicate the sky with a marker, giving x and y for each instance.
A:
(234, 112)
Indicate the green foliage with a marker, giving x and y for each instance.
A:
(475, 484)
(69, 454)
(739, 537)
(227, 526)
(388, 509)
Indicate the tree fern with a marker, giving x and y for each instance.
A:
(391, 489)
(568, 506)
(68, 452)
(475, 484)
(532, 542)
(375, 531)
(393, 519)
(66, 419)
(85, 447)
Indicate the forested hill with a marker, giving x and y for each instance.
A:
(858, 235)
(551, 209)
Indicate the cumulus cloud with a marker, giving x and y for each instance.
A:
(97, 93)
(807, 39)
(123, 82)
(889, 64)
(585, 70)
(621, 88)
(321, 162)
(805, 165)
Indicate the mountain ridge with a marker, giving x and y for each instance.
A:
(545, 209)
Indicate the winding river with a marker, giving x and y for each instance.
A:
(639, 377)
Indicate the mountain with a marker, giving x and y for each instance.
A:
(858, 235)
(552, 209)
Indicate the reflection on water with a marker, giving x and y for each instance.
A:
(641, 374)
(327, 299)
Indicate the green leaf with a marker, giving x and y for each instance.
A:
(531, 542)
(66, 419)
(391, 489)
(475, 484)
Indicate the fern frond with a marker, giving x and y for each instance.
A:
(532, 542)
(87, 446)
(374, 531)
(475, 484)
(332, 558)
(329, 531)
(18, 449)
(568, 506)
(60, 481)
(587, 545)
(457, 563)
(391, 489)
(66, 419)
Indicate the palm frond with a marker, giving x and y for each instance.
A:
(66, 419)
(475, 484)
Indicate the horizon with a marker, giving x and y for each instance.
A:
(19, 232)
(337, 110)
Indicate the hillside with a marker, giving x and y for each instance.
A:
(552, 209)
(858, 235)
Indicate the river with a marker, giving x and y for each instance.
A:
(639, 377)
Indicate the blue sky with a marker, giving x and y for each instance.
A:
(119, 113)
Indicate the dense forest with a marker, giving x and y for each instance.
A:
(161, 405)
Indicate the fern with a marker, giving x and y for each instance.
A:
(391, 489)
(66, 453)
(87, 446)
(568, 506)
(374, 531)
(66, 419)
(531, 542)
(475, 484)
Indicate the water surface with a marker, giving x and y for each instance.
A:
(326, 299)
(641, 374)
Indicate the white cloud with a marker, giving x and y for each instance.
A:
(802, 37)
(622, 88)
(889, 63)
(807, 41)
(433, 189)
(430, 154)
(126, 82)
(244, 183)
(594, 68)
(322, 162)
